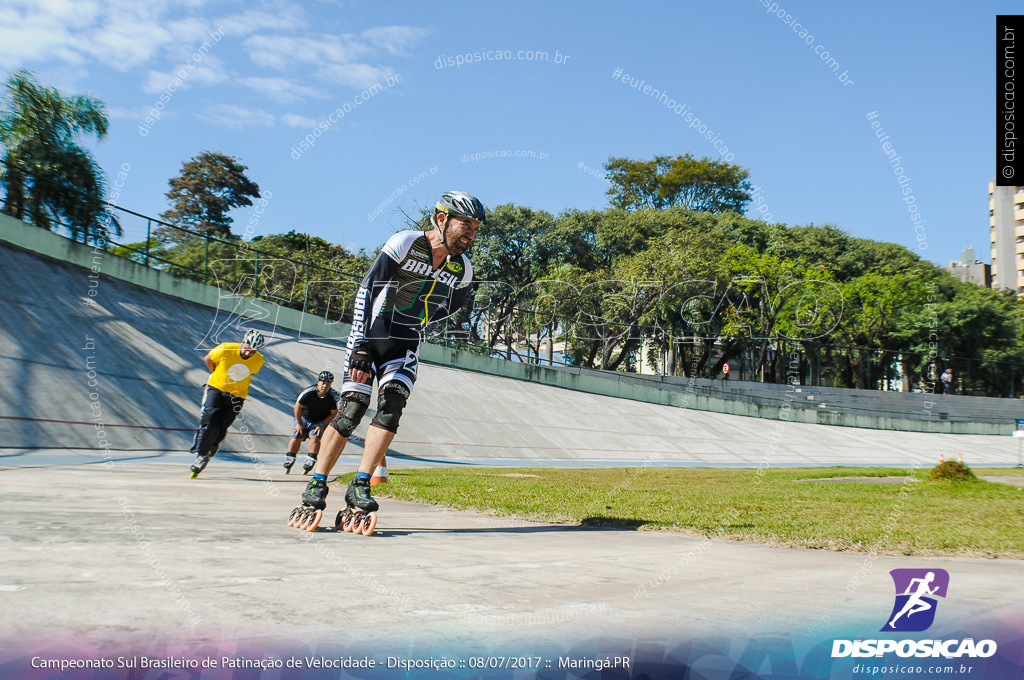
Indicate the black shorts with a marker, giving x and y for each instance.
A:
(393, 359)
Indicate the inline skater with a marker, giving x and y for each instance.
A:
(231, 367)
(315, 408)
(417, 278)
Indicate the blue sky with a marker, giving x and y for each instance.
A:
(275, 70)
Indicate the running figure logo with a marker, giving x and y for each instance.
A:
(914, 611)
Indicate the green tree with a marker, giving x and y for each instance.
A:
(208, 187)
(47, 178)
(508, 256)
(704, 185)
(877, 305)
(973, 330)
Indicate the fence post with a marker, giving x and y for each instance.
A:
(604, 344)
(256, 279)
(149, 224)
(206, 259)
(305, 294)
(529, 327)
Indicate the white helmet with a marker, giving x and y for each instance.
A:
(254, 339)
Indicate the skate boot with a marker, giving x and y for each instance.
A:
(289, 461)
(314, 499)
(199, 465)
(360, 517)
(308, 464)
(315, 495)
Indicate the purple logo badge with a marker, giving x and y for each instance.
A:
(914, 609)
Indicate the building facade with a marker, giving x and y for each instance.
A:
(969, 269)
(1006, 233)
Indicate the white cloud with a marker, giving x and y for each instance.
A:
(236, 117)
(282, 51)
(395, 39)
(130, 114)
(295, 120)
(155, 38)
(119, 34)
(28, 34)
(354, 75)
(124, 46)
(283, 90)
(250, 21)
(337, 59)
(209, 71)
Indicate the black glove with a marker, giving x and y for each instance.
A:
(360, 359)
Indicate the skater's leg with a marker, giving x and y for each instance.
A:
(354, 405)
(230, 407)
(310, 462)
(358, 494)
(294, 444)
(208, 433)
(330, 450)
(390, 404)
(377, 442)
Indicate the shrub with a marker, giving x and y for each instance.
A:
(953, 470)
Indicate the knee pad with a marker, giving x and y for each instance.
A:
(353, 407)
(390, 404)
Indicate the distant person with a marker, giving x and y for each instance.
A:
(947, 381)
(417, 278)
(315, 408)
(231, 367)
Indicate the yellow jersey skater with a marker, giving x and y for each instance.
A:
(231, 366)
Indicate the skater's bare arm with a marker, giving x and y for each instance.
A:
(298, 416)
(210, 366)
(330, 419)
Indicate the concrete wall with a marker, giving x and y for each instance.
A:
(850, 408)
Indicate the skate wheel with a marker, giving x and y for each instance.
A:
(369, 524)
(350, 523)
(339, 520)
(293, 516)
(300, 522)
(193, 475)
(314, 520)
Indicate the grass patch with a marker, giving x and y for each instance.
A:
(919, 517)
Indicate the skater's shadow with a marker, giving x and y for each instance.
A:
(629, 524)
(538, 529)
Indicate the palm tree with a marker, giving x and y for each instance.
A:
(47, 178)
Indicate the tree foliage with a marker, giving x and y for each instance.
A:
(704, 185)
(48, 179)
(291, 269)
(208, 187)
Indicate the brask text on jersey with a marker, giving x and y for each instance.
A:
(423, 268)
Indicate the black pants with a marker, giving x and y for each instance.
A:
(219, 410)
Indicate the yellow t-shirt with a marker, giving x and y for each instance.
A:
(231, 373)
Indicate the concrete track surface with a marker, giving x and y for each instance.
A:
(117, 550)
(122, 555)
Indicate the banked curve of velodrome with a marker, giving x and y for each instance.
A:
(130, 359)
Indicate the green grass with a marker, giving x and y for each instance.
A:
(973, 518)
